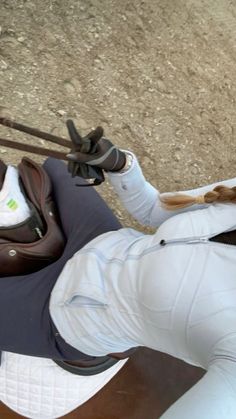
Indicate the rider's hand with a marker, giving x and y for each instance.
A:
(93, 150)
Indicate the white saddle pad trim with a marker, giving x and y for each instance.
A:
(37, 388)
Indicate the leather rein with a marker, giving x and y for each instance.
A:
(36, 133)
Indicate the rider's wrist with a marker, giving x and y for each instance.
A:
(128, 163)
(121, 162)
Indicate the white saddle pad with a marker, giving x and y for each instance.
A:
(39, 389)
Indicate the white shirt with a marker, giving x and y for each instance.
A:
(125, 289)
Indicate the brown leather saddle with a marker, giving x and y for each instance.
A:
(38, 241)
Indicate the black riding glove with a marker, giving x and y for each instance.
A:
(84, 145)
(93, 153)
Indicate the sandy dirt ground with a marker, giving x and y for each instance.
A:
(158, 75)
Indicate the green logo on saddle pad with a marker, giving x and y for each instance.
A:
(12, 204)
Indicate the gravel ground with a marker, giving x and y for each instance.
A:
(158, 75)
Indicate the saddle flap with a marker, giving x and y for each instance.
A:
(36, 182)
